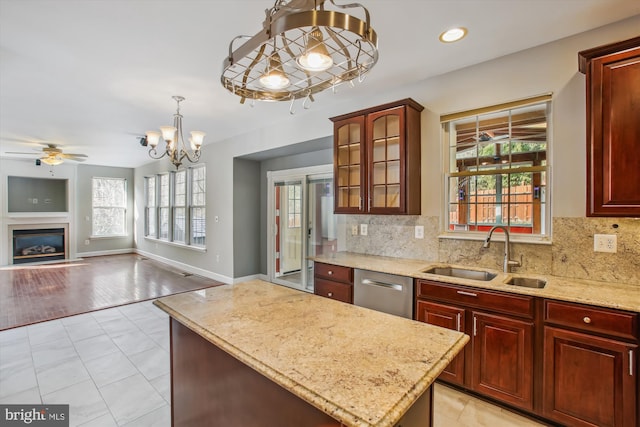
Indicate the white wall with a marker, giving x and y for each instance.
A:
(548, 68)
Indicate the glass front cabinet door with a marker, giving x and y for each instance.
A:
(377, 160)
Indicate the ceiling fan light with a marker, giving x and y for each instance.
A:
(316, 56)
(52, 161)
(453, 34)
(168, 133)
(153, 138)
(274, 77)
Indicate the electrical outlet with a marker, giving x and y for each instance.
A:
(605, 243)
(87, 242)
(364, 229)
(419, 232)
(354, 230)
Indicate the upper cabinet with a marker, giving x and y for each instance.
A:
(613, 128)
(377, 159)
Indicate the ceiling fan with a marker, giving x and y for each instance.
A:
(52, 155)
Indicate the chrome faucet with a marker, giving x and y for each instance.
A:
(507, 262)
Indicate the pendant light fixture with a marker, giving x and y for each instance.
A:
(175, 148)
(302, 49)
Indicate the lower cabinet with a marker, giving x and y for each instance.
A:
(590, 380)
(450, 317)
(333, 281)
(498, 361)
(502, 365)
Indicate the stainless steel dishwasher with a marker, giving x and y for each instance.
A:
(383, 292)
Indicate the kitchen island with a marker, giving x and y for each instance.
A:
(258, 354)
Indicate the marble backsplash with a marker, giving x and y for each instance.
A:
(570, 255)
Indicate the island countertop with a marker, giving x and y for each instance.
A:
(361, 367)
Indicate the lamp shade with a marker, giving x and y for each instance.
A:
(197, 138)
(153, 138)
(316, 56)
(168, 133)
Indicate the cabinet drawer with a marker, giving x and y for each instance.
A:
(334, 290)
(472, 297)
(593, 319)
(335, 273)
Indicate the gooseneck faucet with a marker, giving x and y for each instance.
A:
(507, 262)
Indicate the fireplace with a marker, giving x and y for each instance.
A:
(38, 244)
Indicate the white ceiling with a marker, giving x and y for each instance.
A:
(91, 75)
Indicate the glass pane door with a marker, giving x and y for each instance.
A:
(322, 228)
(304, 225)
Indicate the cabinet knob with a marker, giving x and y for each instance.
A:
(330, 294)
(586, 319)
(330, 273)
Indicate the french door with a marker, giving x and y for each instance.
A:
(302, 223)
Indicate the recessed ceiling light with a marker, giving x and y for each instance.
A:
(453, 35)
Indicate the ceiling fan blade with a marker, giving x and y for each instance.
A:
(69, 155)
(19, 152)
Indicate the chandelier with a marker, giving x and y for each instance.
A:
(175, 148)
(302, 49)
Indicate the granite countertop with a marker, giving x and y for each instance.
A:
(623, 296)
(362, 367)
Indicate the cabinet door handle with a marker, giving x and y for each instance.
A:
(458, 321)
(469, 294)
(330, 294)
(631, 363)
(586, 319)
(475, 326)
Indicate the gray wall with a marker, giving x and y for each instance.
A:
(85, 173)
(25, 194)
(246, 217)
(303, 160)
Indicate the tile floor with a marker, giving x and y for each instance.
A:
(112, 367)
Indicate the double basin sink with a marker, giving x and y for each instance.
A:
(485, 276)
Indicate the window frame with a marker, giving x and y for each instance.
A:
(122, 209)
(155, 209)
(545, 234)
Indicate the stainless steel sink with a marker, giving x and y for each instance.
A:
(527, 282)
(462, 273)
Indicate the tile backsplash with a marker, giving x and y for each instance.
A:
(570, 255)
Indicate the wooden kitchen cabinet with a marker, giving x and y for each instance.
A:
(377, 159)
(613, 128)
(590, 365)
(503, 358)
(333, 281)
(499, 362)
(450, 317)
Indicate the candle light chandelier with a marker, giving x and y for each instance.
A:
(302, 49)
(175, 148)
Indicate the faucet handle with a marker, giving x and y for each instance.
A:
(516, 263)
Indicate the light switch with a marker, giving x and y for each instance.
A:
(364, 229)
(419, 232)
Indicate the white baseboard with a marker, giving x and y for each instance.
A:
(251, 277)
(188, 268)
(101, 253)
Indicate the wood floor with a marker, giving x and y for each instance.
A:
(31, 294)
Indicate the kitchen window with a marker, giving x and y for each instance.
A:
(109, 207)
(175, 207)
(496, 170)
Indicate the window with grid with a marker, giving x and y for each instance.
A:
(294, 208)
(197, 205)
(497, 168)
(150, 206)
(109, 207)
(163, 206)
(179, 206)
